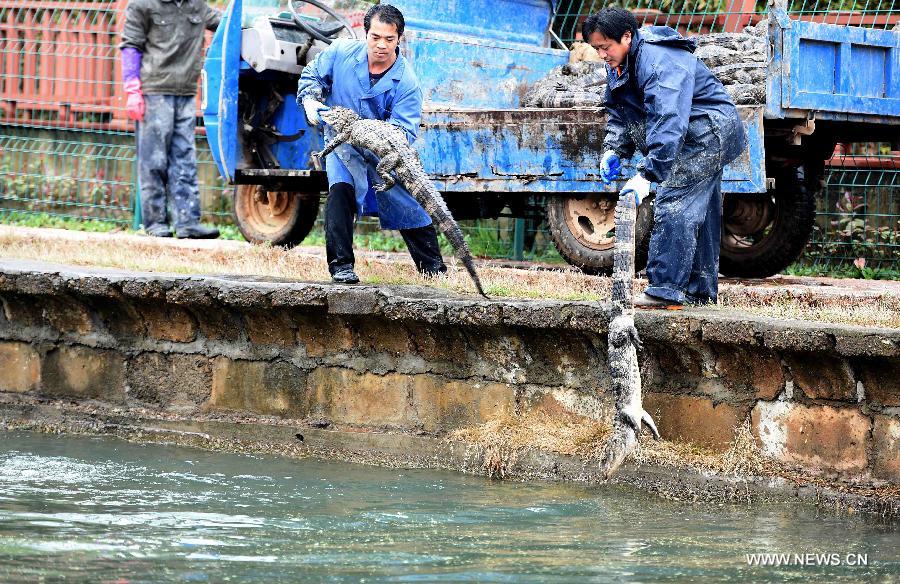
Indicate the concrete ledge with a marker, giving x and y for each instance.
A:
(422, 362)
(435, 307)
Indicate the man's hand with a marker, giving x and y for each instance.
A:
(637, 185)
(134, 104)
(610, 166)
(311, 108)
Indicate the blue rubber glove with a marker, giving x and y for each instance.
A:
(637, 185)
(610, 165)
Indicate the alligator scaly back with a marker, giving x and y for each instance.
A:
(624, 344)
(389, 144)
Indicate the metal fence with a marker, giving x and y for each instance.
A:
(66, 145)
(858, 215)
(705, 16)
(67, 148)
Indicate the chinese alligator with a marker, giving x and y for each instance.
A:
(389, 144)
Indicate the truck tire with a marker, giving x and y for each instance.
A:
(583, 230)
(282, 218)
(763, 235)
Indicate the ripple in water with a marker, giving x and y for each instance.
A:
(92, 509)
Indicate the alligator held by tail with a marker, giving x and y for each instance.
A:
(624, 344)
(389, 144)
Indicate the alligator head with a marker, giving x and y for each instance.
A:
(339, 118)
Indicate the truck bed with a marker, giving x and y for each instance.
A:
(535, 150)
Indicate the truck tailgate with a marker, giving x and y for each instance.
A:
(838, 72)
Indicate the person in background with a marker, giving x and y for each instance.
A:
(664, 102)
(373, 79)
(162, 53)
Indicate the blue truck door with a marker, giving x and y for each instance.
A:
(220, 90)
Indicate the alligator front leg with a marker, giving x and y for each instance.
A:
(385, 167)
(334, 143)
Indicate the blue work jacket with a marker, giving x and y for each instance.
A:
(339, 76)
(666, 104)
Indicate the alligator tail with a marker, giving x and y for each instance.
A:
(447, 225)
(624, 344)
(420, 186)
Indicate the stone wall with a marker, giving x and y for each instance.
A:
(416, 361)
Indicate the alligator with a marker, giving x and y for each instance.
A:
(738, 60)
(579, 84)
(389, 144)
(624, 343)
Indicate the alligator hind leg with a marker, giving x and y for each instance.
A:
(384, 168)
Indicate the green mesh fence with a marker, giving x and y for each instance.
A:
(858, 215)
(67, 148)
(867, 13)
(704, 16)
(688, 16)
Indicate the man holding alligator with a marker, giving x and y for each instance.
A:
(375, 81)
(664, 102)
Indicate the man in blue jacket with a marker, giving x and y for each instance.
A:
(664, 102)
(375, 81)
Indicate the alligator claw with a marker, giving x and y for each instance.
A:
(632, 420)
(645, 417)
(635, 339)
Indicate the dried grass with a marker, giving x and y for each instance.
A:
(743, 458)
(874, 308)
(505, 438)
(844, 304)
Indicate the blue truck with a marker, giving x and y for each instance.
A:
(490, 157)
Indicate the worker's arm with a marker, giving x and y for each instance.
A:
(134, 38)
(617, 138)
(668, 95)
(137, 24)
(407, 113)
(317, 77)
(212, 18)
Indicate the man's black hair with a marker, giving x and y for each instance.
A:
(611, 23)
(387, 14)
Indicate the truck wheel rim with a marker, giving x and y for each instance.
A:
(268, 212)
(591, 220)
(747, 223)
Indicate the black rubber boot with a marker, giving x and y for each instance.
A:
(196, 232)
(340, 208)
(423, 247)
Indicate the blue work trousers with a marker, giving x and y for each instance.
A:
(683, 263)
(167, 162)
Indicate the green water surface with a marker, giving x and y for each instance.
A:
(103, 510)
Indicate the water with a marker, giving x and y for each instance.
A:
(104, 510)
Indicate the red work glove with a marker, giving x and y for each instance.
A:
(134, 106)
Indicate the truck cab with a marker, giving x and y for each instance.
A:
(489, 156)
